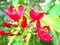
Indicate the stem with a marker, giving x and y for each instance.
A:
(28, 38)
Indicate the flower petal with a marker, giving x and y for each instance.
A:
(7, 13)
(21, 8)
(33, 14)
(14, 17)
(40, 15)
(10, 9)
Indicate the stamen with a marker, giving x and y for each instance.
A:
(15, 9)
(45, 30)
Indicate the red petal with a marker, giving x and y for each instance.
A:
(40, 15)
(7, 13)
(15, 17)
(2, 32)
(21, 8)
(10, 9)
(33, 14)
(38, 25)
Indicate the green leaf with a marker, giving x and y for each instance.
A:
(11, 39)
(53, 1)
(34, 40)
(15, 2)
(55, 37)
(17, 40)
(55, 10)
(24, 32)
(27, 12)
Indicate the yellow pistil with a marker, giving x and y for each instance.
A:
(45, 30)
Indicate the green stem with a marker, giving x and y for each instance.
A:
(28, 38)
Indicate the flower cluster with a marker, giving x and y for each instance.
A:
(18, 20)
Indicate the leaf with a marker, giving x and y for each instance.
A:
(17, 40)
(55, 37)
(34, 40)
(24, 32)
(11, 39)
(53, 1)
(15, 2)
(27, 11)
(55, 10)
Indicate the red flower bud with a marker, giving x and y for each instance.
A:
(18, 33)
(24, 40)
(10, 34)
(15, 25)
(24, 36)
(24, 22)
(2, 32)
(6, 24)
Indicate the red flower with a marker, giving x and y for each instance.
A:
(6, 24)
(15, 13)
(43, 34)
(36, 15)
(24, 22)
(2, 32)
(9, 34)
